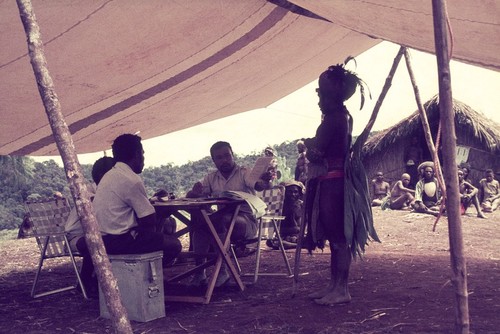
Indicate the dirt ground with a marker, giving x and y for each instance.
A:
(401, 286)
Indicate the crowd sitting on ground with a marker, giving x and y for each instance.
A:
(427, 196)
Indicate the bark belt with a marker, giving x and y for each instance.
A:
(333, 174)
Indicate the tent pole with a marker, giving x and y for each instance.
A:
(447, 116)
(427, 132)
(72, 168)
(388, 83)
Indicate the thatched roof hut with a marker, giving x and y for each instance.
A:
(478, 142)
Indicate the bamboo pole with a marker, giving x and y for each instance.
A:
(72, 168)
(447, 116)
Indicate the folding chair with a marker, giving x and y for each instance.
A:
(269, 227)
(48, 218)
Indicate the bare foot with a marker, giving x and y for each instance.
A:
(322, 292)
(334, 298)
(481, 215)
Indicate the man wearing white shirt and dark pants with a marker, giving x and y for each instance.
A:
(126, 218)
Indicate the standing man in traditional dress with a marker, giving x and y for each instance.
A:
(329, 212)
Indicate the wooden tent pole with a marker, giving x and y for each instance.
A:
(388, 83)
(447, 116)
(72, 168)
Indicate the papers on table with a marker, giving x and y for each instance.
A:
(257, 205)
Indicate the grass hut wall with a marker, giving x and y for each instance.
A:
(478, 143)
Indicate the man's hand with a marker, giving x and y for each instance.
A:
(267, 176)
(160, 193)
(197, 191)
(264, 182)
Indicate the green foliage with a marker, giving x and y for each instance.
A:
(22, 178)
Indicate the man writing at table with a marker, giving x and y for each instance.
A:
(126, 218)
(228, 177)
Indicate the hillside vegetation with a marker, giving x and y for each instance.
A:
(21, 178)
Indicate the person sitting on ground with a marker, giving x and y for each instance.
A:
(293, 208)
(380, 189)
(74, 230)
(402, 197)
(468, 195)
(126, 217)
(427, 192)
(228, 177)
(490, 192)
(413, 157)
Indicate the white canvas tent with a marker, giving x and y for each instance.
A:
(162, 66)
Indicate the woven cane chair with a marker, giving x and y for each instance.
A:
(269, 228)
(48, 217)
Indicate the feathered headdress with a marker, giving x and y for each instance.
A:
(347, 80)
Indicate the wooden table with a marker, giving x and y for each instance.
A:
(204, 206)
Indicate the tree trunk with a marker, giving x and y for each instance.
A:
(447, 116)
(73, 169)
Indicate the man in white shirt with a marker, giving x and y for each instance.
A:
(126, 218)
(227, 177)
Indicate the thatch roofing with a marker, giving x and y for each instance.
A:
(472, 122)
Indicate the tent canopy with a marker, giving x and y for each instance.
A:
(162, 66)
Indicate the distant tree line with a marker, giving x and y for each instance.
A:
(21, 178)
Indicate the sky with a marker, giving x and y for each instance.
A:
(297, 115)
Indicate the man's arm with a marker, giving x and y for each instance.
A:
(403, 188)
(471, 191)
(387, 188)
(147, 222)
(374, 189)
(144, 211)
(196, 191)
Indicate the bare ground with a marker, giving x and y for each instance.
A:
(401, 286)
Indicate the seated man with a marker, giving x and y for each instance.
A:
(126, 218)
(380, 189)
(293, 209)
(490, 192)
(228, 176)
(74, 230)
(402, 196)
(428, 193)
(468, 194)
